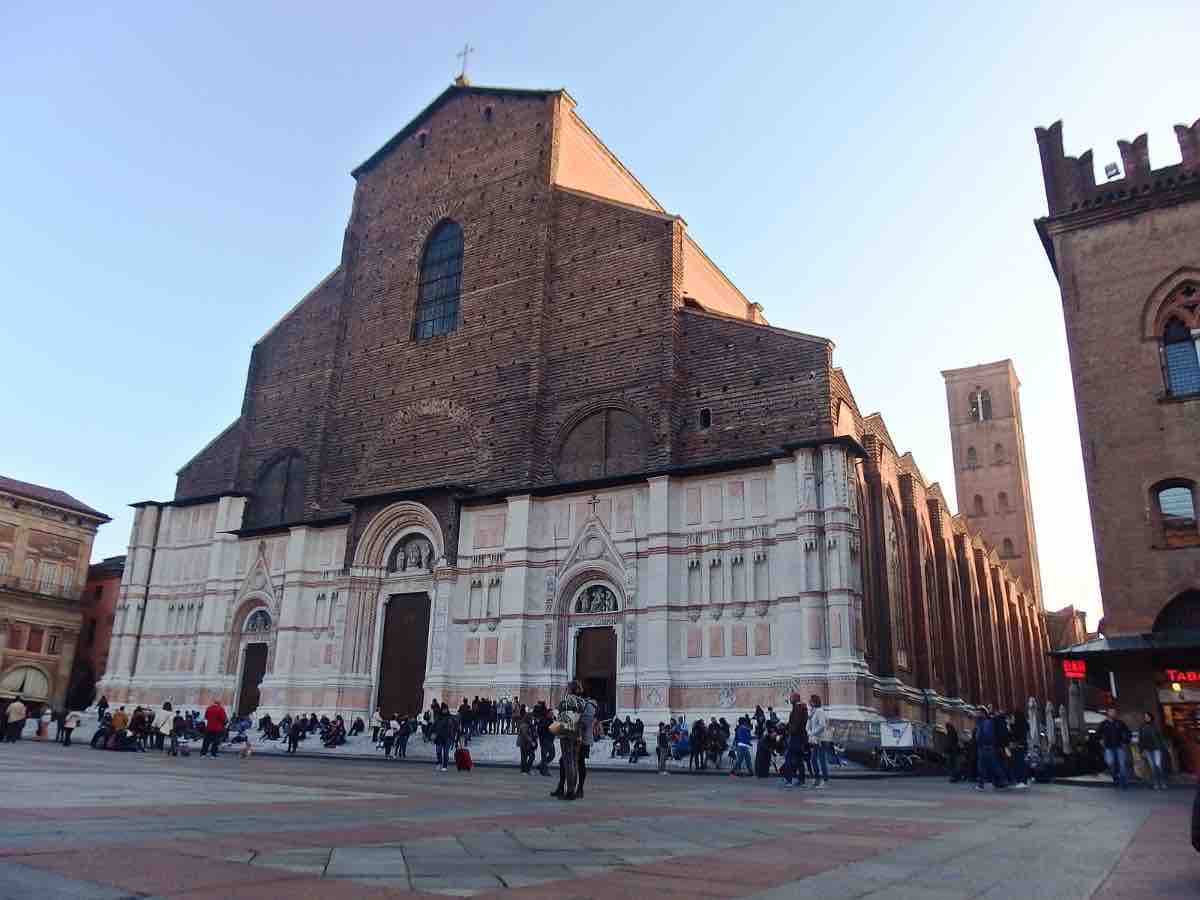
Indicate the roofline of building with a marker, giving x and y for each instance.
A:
(295, 306)
(201, 451)
(80, 510)
(453, 90)
(737, 320)
(616, 159)
(190, 501)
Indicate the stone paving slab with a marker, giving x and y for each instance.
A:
(296, 828)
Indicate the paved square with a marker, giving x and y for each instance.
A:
(93, 824)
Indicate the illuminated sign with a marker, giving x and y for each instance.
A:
(1074, 668)
(1183, 675)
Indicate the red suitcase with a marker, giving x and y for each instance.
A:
(462, 759)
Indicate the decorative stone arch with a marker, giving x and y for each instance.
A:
(574, 582)
(1181, 612)
(1157, 308)
(238, 637)
(391, 525)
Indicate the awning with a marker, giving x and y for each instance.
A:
(1132, 643)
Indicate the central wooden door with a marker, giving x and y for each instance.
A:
(596, 667)
(253, 670)
(402, 661)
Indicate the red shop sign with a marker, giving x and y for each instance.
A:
(1075, 668)
(1183, 675)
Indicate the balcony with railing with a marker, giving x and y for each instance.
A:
(41, 588)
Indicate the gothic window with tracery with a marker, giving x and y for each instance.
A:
(596, 599)
(440, 282)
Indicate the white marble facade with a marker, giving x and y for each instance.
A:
(730, 589)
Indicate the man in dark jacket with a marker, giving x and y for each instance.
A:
(1114, 737)
(986, 749)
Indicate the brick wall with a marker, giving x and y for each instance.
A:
(1115, 249)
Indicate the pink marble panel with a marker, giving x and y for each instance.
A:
(739, 640)
(489, 529)
(694, 636)
(471, 653)
(716, 640)
(762, 639)
(758, 496)
(835, 628)
(712, 502)
(692, 506)
(508, 650)
(735, 493)
(489, 650)
(624, 521)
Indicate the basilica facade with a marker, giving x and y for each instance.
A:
(527, 430)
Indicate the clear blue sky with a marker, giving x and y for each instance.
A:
(176, 176)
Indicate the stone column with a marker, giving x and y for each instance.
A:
(515, 588)
(658, 580)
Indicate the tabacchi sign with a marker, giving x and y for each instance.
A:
(1074, 668)
(1183, 675)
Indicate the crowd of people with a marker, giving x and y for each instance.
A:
(800, 749)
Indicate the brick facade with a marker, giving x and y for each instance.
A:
(610, 410)
(1119, 251)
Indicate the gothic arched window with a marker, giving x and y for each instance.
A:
(440, 282)
(606, 442)
(972, 458)
(1181, 366)
(977, 506)
(1008, 550)
(999, 454)
(1002, 500)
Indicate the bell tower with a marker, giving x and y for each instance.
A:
(990, 472)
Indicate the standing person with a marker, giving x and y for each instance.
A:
(818, 730)
(44, 721)
(1114, 737)
(442, 736)
(70, 722)
(988, 765)
(60, 724)
(1152, 744)
(527, 744)
(376, 725)
(741, 748)
(797, 744)
(101, 708)
(953, 749)
(163, 725)
(215, 721)
(14, 720)
(663, 747)
(570, 710)
(1019, 773)
(296, 733)
(587, 734)
(545, 738)
(178, 730)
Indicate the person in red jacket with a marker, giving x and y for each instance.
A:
(215, 721)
